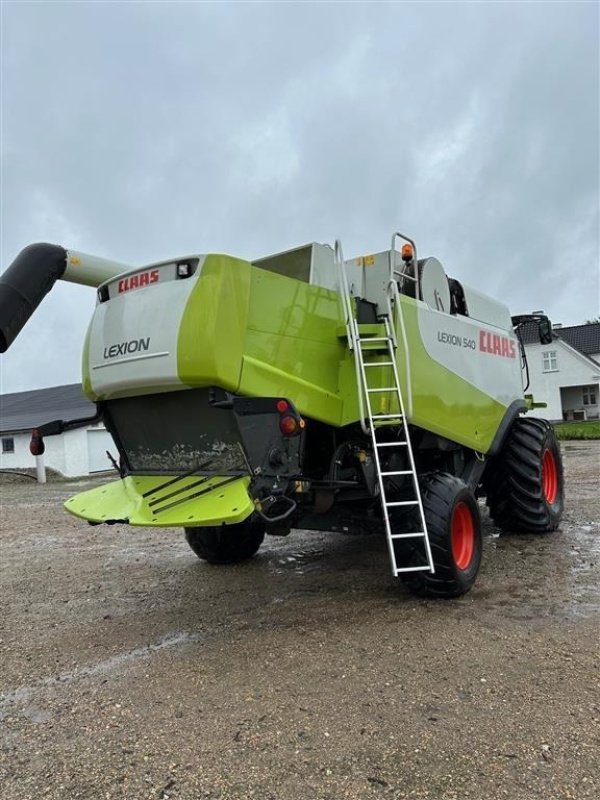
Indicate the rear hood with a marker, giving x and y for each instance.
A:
(166, 501)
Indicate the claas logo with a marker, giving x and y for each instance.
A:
(497, 345)
(138, 280)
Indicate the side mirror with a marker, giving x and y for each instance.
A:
(545, 328)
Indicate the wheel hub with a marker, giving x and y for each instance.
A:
(549, 477)
(462, 533)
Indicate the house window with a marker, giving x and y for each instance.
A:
(549, 361)
(8, 445)
(589, 395)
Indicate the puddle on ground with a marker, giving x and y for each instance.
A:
(297, 562)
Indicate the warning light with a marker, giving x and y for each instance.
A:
(407, 252)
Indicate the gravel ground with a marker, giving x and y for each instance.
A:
(131, 669)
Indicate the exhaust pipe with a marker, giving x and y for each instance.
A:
(34, 272)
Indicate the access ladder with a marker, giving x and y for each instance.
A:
(373, 421)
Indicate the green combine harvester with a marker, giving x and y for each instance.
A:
(302, 390)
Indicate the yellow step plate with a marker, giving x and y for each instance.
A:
(162, 501)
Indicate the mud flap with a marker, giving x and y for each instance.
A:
(162, 501)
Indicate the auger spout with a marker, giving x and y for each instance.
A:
(34, 272)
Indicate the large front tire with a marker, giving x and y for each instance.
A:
(454, 529)
(525, 485)
(226, 544)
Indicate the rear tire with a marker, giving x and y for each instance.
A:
(525, 486)
(226, 544)
(454, 528)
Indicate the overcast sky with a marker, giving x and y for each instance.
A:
(140, 131)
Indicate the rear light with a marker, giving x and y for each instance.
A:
(282, 405)
(290, 426)
(184, 270)
(103, 295)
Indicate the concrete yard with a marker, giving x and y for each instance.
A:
(131, 669)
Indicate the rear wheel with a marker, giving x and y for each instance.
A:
(454, 530)
(524, 486)
(226, 544)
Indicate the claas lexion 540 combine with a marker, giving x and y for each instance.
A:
(302, 390)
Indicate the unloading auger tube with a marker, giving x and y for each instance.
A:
(34, 272)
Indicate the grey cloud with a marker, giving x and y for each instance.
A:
(140, 131)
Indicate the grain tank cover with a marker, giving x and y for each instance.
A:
(312, 263)
(435, 289)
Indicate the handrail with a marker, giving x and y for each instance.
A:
(349, 321)
(338, 258)
(397, 310)
(404, 276)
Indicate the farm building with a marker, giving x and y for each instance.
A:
(566, 373)
(76, 452)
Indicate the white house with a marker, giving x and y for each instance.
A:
(566, 373)
(73, 453)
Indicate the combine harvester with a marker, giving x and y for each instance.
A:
(305, 391)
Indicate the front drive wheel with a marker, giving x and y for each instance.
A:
(454, 529)
(525, 487)
(226, 544)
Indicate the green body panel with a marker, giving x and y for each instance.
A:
(140, 500)
(212, 333)
(291, 346)
(86, 378)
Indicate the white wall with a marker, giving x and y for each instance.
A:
(67, 454)
(572, 370)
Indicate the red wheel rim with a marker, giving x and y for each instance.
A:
(549, 477)
(462, 531)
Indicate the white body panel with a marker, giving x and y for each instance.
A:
(486, 309)
(486, 358)
(133, 338)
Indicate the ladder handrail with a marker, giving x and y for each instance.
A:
(395, 310)
(344, 292)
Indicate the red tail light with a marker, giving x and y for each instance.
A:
(290, 426)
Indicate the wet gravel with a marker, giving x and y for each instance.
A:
(131, 669)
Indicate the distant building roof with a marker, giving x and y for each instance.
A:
(22, 411)
(584, 338)
(530, 333)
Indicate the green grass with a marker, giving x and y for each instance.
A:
(578, 430)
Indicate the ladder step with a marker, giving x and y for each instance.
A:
(402, 503)
(398, 472)
(407, 535)
(412, 569)
(369, 339)
(379, 364)
(387, 416)
(391, 444)
(385, 389)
